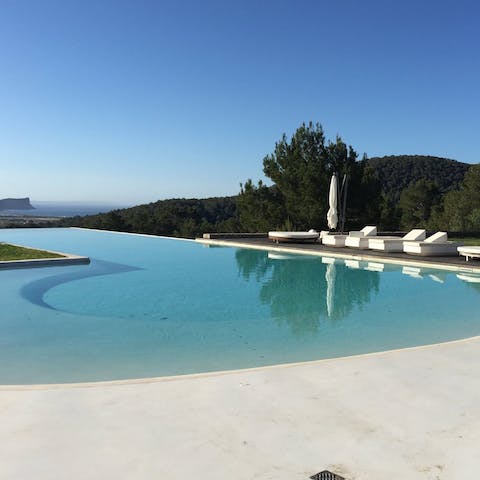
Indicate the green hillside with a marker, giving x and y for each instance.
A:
(178, 217)
(396, 172)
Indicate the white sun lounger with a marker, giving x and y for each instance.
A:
(334, 240)
(435, 245)
(469, 252)
(294, 237)
(395, 244)
(360, 241)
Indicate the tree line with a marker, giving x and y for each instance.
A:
(174, 217)
(396, 192)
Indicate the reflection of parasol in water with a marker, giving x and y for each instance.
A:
(330, 278)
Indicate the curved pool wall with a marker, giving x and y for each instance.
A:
(150, 306)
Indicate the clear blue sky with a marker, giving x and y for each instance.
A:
(132, 101)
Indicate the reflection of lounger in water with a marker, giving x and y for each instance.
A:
(286, 256)
(382, 267)
(469, 278)
(439, 277)
(329, 260)
(414, 272)
(371, 266)
(355, 264)
(420, 273)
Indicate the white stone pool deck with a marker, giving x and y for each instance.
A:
(406, 414)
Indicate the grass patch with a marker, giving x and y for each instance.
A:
(12, 252)
(467, 241)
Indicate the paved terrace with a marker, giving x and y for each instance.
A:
(260, 241)
(402, 415)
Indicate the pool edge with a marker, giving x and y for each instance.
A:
(217, 373)
(350, 256)
(132, 233)
(65, 259)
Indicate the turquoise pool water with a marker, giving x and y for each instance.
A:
(148, 307)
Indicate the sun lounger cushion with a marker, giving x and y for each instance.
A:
(367, 231)
(415, 235)
(438, 237)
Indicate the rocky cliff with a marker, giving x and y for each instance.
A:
(16, 204)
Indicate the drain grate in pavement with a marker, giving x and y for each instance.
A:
(326, 475)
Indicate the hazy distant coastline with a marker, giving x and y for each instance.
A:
(58, 209)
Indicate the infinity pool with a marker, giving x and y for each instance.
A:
(149, 306)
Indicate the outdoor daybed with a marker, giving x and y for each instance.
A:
(435, 245)
(334, 240)
(294, 237)
(469, 252)
(395, 244)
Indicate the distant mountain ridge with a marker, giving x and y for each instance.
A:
(16, 204)
(396, 172)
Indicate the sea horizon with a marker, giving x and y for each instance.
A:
(60, 209)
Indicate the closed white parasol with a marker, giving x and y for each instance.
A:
(332, 215)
